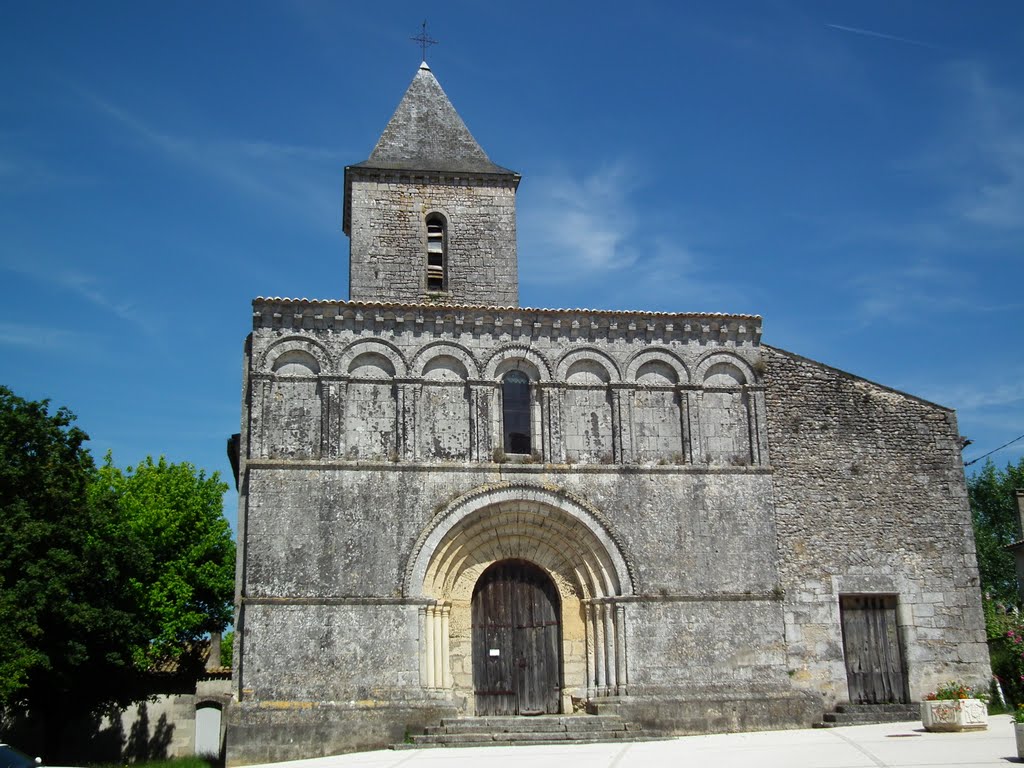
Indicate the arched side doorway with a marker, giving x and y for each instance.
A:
(517, 664)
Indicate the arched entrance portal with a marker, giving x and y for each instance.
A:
(554, 533)
(517, 666)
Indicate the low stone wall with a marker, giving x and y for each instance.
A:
(715, 712)
(271, 731)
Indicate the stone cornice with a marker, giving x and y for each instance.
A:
(518, 322)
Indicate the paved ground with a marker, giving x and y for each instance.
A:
(895, 745)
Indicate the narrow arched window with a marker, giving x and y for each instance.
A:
(515, 411)
(437, 253)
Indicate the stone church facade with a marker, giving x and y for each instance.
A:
(452, 505)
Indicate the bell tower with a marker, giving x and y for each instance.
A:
(430, 218)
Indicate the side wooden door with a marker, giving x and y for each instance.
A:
(516, 641)
(871, 644)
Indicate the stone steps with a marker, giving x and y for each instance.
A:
(541, 729)
(867, 714)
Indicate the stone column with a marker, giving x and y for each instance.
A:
(426, 654)
(324, 389)
(597, 628)
(445, 678)
(685, 427)
(265, 388)
(695, 398)
(759, 427)
(556, 396)
(339, 445)
(481, 393)
(622, 437)
(436, 612)
(608, 622)
(621, 668)
(406, 395)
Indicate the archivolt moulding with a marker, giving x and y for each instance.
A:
(296, 344)
(661, 355)
(438, 348)
(550, 527)
(379, 346)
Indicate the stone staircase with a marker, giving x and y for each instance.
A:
(540, 729)
(866, 714)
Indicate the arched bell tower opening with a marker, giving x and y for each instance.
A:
(517, 641)
(542, 547)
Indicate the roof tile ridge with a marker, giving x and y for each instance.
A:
(509, 308)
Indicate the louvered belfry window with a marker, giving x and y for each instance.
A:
(437, 253)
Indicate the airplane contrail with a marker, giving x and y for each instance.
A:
(882, 35)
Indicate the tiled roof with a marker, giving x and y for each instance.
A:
(427, 134)
(489, 308)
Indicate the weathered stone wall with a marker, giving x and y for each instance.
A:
(368, 427)
(329, 614)
(388, 246)
(870, 498)
(399, 382)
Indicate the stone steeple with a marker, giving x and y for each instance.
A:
(427, 134)
(429, 216)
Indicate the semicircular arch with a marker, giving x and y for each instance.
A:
(589, 354)
(659, 355)
(713, 359)
(378, 346)
(552, 529)
(504, 358)
(440, 348)
(295, 344)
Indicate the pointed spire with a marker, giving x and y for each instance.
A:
(427, 134)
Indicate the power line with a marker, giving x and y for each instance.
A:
(974, 461)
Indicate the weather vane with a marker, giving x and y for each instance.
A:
(423, 40)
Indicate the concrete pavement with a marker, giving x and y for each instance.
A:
(892, 745)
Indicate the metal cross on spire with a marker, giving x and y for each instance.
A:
(424, 40)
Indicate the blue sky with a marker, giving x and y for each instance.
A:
(851, 171)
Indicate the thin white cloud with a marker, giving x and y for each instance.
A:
(40, 337)
(568, 224)
(592, 239)
(902, 292)
(85, 287)
(881, 35)
(976, 157)
(976, 397)
(19, 172)
(303, 181)
(995, 125)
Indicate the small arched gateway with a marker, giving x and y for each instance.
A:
(522, 612)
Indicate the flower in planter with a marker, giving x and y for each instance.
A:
(955, 707)
(1018, 715)
(955, 690)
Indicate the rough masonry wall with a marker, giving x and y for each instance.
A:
(388, 246)
(870, 498)
(327, 550)
(421, 384)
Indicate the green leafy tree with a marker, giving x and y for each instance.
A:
(187, 562)
(68, 625)
(994, 514)
(105, 575)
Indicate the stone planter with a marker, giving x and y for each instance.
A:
(954, 715)
(1018, 729)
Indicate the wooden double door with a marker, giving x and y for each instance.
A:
(875, 671)
(517, 665)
